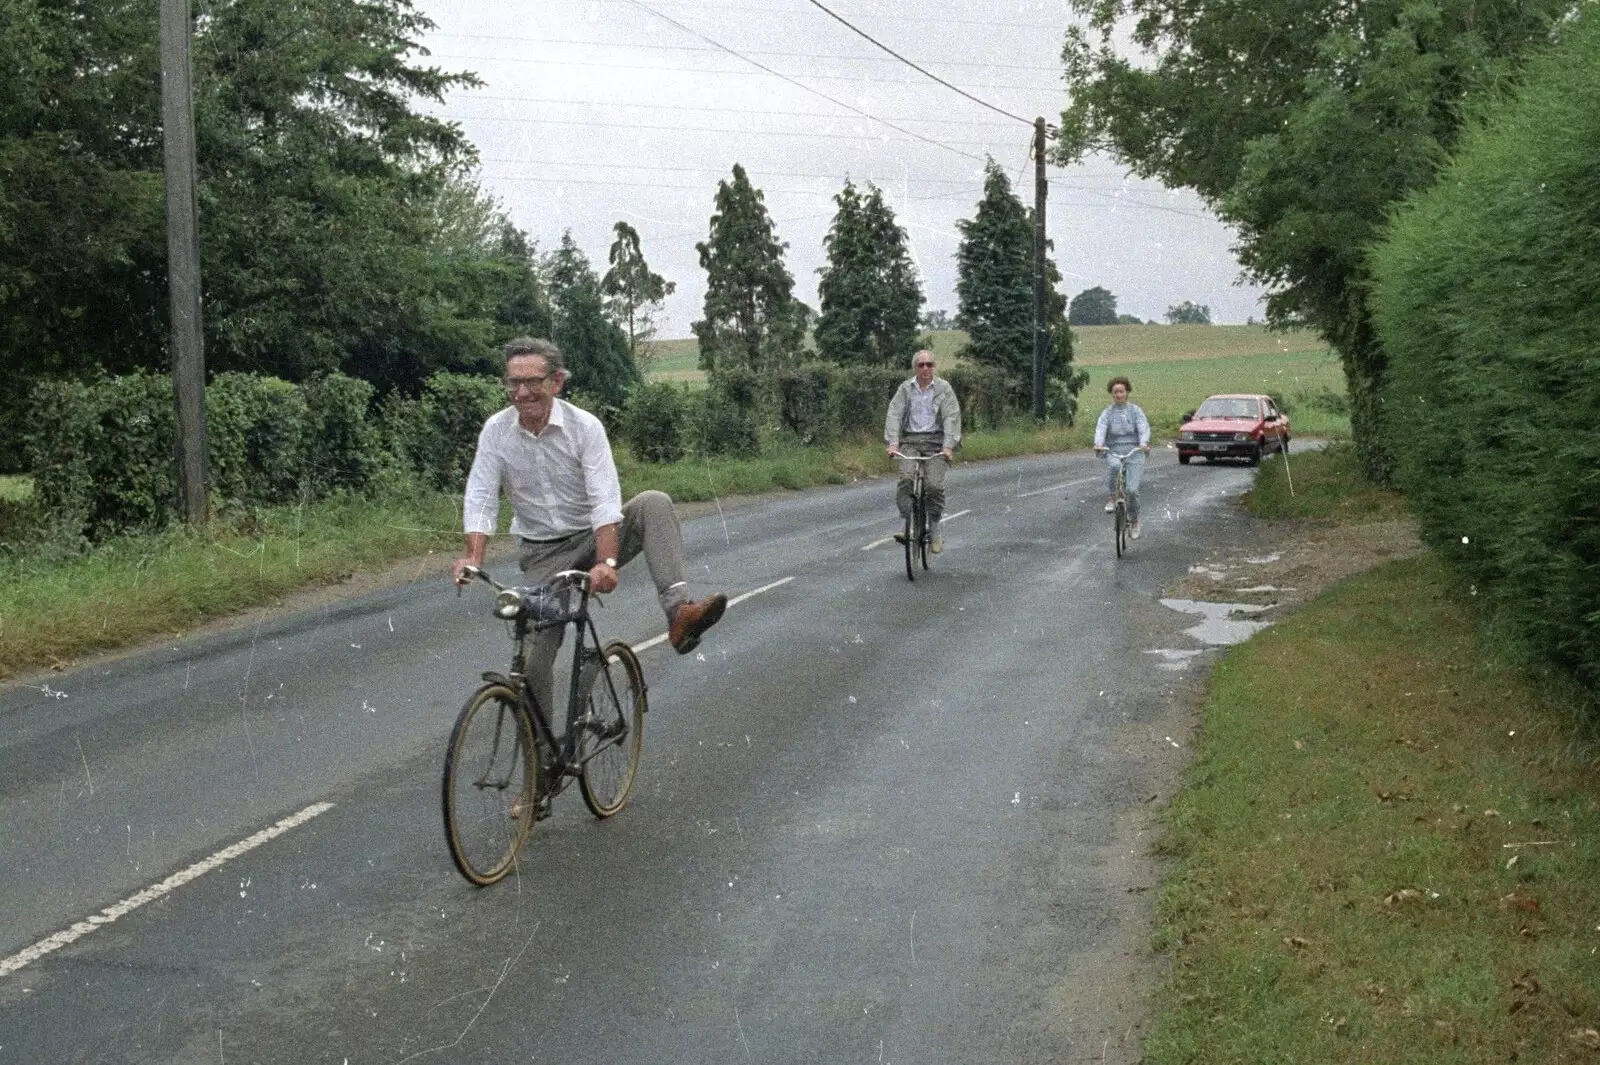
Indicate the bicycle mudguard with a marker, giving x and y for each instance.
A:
(498, 678)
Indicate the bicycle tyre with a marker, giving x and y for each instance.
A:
(489, 786)
(924, 535)
(1120, 524)
(608, 748)
(911, 540)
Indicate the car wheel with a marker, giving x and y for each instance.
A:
(1183, 460)
(1254, 458)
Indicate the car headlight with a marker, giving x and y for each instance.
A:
(1186, 436)
(1241, 436)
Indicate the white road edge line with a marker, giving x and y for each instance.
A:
(156, 891)
(640, 648)
(1058, 487)
(886, 539)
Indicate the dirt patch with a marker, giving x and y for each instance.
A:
(1303, 559)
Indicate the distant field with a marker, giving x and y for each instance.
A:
(1173, 367)
(1096, 345)
(15, 487)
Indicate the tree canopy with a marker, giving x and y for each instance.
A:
(633, 290)
(1093, 306)
(1188, 313)
(1300, 122)
(596, 349)
(751, 318)
(870, 294)
(994, 271)
(338, 228)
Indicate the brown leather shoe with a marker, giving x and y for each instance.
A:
(692, 619)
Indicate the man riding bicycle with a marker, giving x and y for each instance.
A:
(555, 464)
(924, 419)
(1123, 435)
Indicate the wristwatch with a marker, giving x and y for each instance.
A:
(610, 562)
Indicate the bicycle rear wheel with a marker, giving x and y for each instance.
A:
(491, 775)
(611, 732)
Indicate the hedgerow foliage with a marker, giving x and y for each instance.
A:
(1487, 299)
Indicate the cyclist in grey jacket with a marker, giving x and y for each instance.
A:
(924, 419)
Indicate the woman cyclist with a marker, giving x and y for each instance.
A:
(1123, 430)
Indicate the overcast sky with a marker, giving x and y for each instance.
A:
(593, 111)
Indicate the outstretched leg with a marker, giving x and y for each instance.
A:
(650, 525)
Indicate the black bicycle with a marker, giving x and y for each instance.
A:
(505, 762)
(1119, 508)
(916, 538)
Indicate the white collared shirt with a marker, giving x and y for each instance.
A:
(560, 481)
(924, 413)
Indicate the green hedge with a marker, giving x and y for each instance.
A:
(1487, 300)
(435, 434)
(102, 450)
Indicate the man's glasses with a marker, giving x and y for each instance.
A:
(921, 365)
(532, 384)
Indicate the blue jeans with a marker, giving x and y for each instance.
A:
(1135, 464)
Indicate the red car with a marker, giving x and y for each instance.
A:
(1233, 427)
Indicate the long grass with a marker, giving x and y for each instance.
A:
(1387, 851)
(1326, 484)
(56, 608)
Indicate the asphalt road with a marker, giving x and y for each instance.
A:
(877, 821)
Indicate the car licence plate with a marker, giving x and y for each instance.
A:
(1213, 447)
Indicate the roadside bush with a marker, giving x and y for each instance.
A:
(1485, 296)
(435, 434)
(343, 447)
(257, 431)
(727, 423)
(984, 392)
(655, 422)
(102, 455)
(862, 394)
(805, 402)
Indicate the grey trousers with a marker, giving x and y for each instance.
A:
(649, 524)
(915, 444)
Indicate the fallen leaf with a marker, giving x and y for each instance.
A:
(1395, 898)
(1588, 1038)
(1296, 942)
(1527, 983)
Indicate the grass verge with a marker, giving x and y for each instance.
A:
(55, 609)
(1388, 848)
(1326, 484)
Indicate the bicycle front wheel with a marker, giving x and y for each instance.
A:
(1121, 527)
(491, 775)
(612, 728)
(913, 531)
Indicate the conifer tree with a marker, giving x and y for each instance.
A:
(595, 348)
(870, 295)
(751, 318)
(633, 290)
(994, 271)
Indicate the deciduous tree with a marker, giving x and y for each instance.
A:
(1093, 306)
(1300, 122)
(1188, 313)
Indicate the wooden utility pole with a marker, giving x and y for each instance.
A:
(1041, 333)
(183, 257)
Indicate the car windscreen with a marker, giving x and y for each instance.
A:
(1229, 408)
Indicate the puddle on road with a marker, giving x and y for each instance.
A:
(1173, 660)
(1220, 627)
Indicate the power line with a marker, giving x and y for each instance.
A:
(919, 69)
(989, 23)
(542, 61)
(810, 134)
(753, 51)
(838, 103)
(837, 176)
(987, 123)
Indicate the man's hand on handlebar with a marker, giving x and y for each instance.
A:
(948, 453)
(893, 450)
(602, 578)
(458, 570)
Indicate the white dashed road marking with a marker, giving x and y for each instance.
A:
(156, 891)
